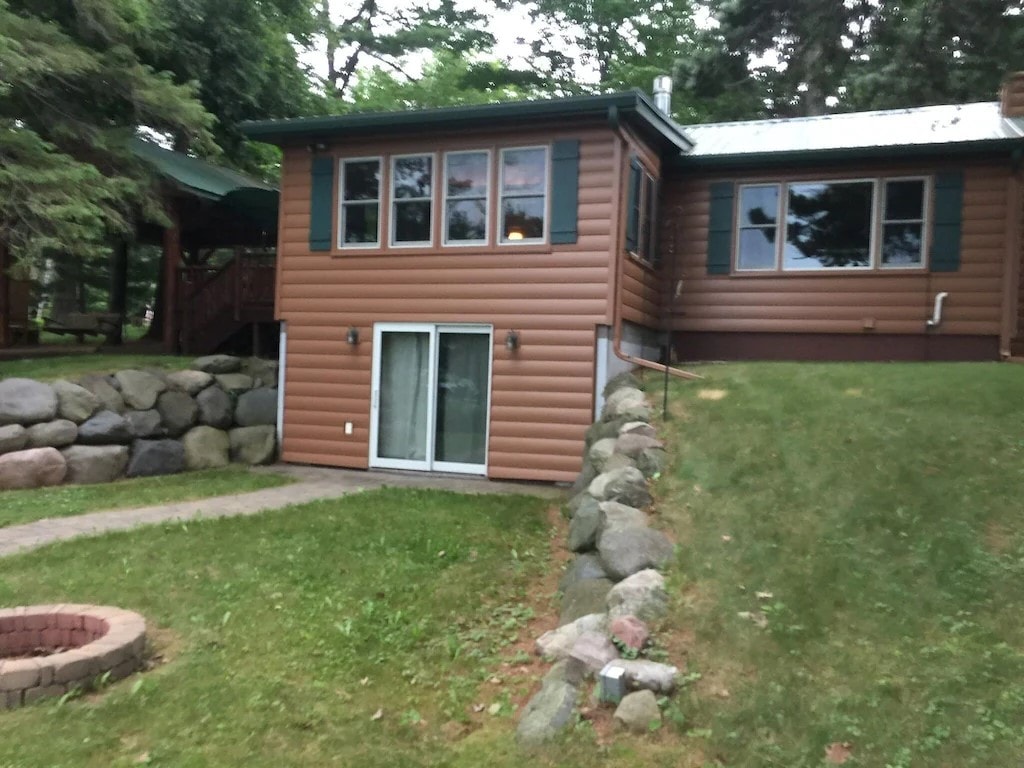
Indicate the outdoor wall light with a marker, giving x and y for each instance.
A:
(353, 336)
(512, 340)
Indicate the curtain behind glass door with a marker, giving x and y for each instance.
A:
(404, 401)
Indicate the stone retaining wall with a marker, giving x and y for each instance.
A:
(138, 423)
(612, 589)
(86, 643)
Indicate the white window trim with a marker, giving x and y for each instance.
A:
(926, 196)
(393, 201)
(342, 245)
(738, 226)
(500, 209)
(877, 224)
(487, 201)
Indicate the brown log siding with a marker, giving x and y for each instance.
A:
(845, 303)
(542, 395)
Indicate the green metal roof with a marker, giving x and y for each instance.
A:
(631, 106)
(194, 175)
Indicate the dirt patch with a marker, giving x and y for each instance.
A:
(854, 392)
(999, 539)
(712, 394)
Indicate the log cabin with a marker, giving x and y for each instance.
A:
(455, 286)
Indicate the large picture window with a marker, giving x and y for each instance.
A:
(524, 187)
(360, 203)
(856, 224)
(412, 186)
(467, 183)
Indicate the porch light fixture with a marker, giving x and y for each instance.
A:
(353, 336)
(512, 340)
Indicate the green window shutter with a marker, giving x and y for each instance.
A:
(565, 190)
(321, 203)
(949, 202)
(636, 176)
(720, 228)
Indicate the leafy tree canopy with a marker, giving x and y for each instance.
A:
(73, 91)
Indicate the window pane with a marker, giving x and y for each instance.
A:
(466, 220)
(362, 180)
(757, 248)
(413, 176)
(523, 170)
(412, 222)
(901, 245)
(759, 205)
(467, 174)
(523, 219)
(904, 200)
(828, 226)
(463, 361)
(360, 222)
(647, 235)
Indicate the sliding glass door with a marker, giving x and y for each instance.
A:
(431, 397)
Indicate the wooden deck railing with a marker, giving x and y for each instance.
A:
(215, 301)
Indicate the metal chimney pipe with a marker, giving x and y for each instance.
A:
(663, 93)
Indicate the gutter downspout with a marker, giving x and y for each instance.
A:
(1008, 329)
(613, 121)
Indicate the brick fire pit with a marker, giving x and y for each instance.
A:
(48, 650)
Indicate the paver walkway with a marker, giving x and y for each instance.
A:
(313, 484)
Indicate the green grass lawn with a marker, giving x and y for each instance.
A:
(870, 517)
(66, 500)
(285, 633)
(73, 366)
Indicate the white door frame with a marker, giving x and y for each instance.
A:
(433, 330)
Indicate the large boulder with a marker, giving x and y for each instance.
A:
(584, 526)
(257, 408)
(600, 430)
(190, 382)
(634, 443)
(626, 403)
(143, 424)
(638, 712)
(178, 412)
(13, 437)
(638, 428)
(26, 401)
(630, 631)
(75, 403)
(631, 549)
(584, 598)
(594, 650)
(557, 643)
(615, 515)
(215, 408)
(206, 448)
(625, 380)
(105, 428)
(52, 434)
(582, 568)
(583, 479)
(140, 389)
(549, 712)
(642, 595)
(253, 445)
(156, 457)
(626, 485)
(641, 674)
(651, 462)
(234, 383)
(217, 364)
(34, 468)
(263, 372)
(104, 390)
(599, 453)
(95, 463)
